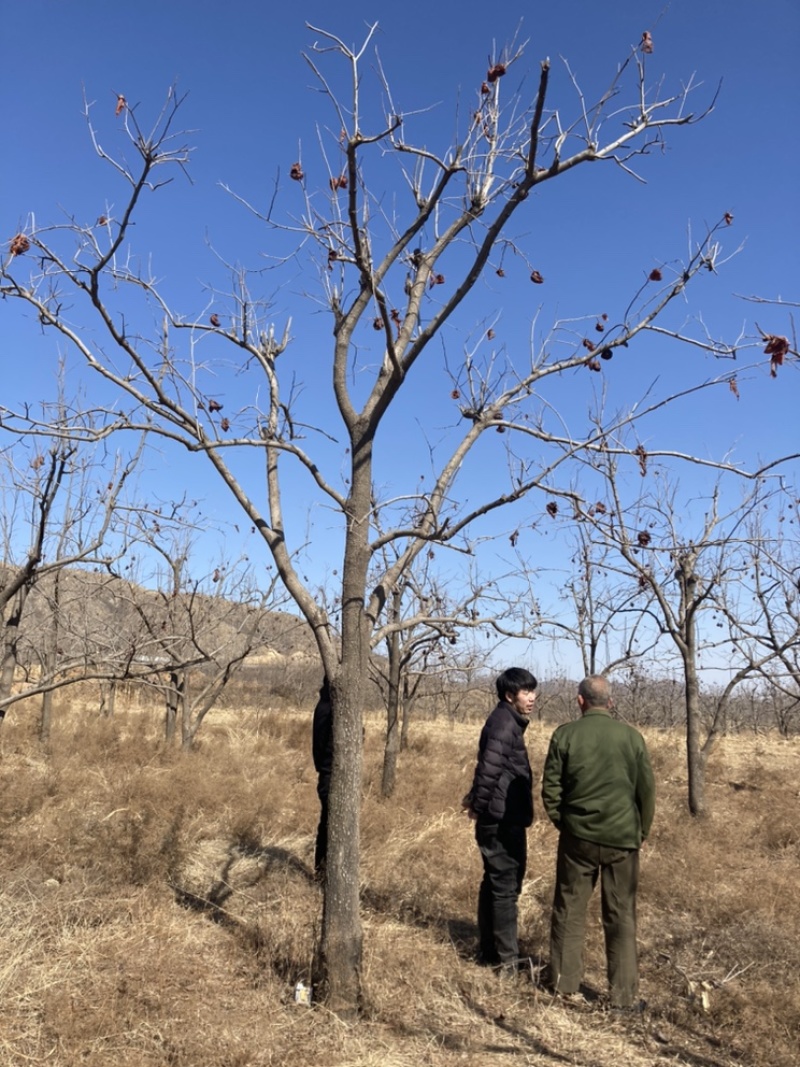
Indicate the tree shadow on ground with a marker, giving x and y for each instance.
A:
(268, 859)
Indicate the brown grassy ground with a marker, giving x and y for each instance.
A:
(108, 846)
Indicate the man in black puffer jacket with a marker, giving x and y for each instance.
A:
(501, 803)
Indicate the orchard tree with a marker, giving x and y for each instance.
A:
(680, 557)
(62, 499)
(188, 633)
(398, 254)
(596, 611)
(763, 612)
(416, 638)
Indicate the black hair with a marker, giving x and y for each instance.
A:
(514, 679)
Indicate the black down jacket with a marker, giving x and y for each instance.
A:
(502, 789)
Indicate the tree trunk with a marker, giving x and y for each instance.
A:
(172, 702)
(392, 744)
(46, 717)
(695, 756)
(108, 698)
(409, 700)
(8, 662)
(342, 937)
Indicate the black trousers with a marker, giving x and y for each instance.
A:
(321, 847)
(504, 853)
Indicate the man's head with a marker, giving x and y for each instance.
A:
(517, 687)
(594, 692)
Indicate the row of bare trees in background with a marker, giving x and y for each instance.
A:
(99, 586)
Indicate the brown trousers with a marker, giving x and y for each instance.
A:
(577, 868)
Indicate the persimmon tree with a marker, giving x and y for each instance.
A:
(398, 234)
(680, 557)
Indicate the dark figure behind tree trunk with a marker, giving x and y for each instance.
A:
(322, 750)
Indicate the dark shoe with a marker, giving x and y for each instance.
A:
(487, 961)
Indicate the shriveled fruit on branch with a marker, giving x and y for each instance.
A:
(214, 319)
(777, 348)
(495, 72)
(536, 277)
(552, 509)
(19, 245)
(606, 353)
(225, 425)
(643, 538)
(655, 275)
(641, 454)
(122, 103)
(647, 43)
(296, 172)
(214, 405)
(377, 324)
(339, 183)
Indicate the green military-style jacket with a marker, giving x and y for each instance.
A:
(598, 783)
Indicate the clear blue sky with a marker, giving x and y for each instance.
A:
(253, 106)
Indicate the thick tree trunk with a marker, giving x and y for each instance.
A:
(342, 937)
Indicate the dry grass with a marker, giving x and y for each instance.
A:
(158, 909)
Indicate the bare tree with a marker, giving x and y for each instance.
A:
(596, 611)
(423, 620)
(680, 567)
(391, 278)
(194, 632)
(763, 612)
(60, 511)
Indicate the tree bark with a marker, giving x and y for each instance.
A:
(392, 743)
(342, 937)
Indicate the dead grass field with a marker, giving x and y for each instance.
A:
(156, 910)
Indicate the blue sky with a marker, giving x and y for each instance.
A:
(253, 109)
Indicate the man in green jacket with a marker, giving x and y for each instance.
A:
(598, 790)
